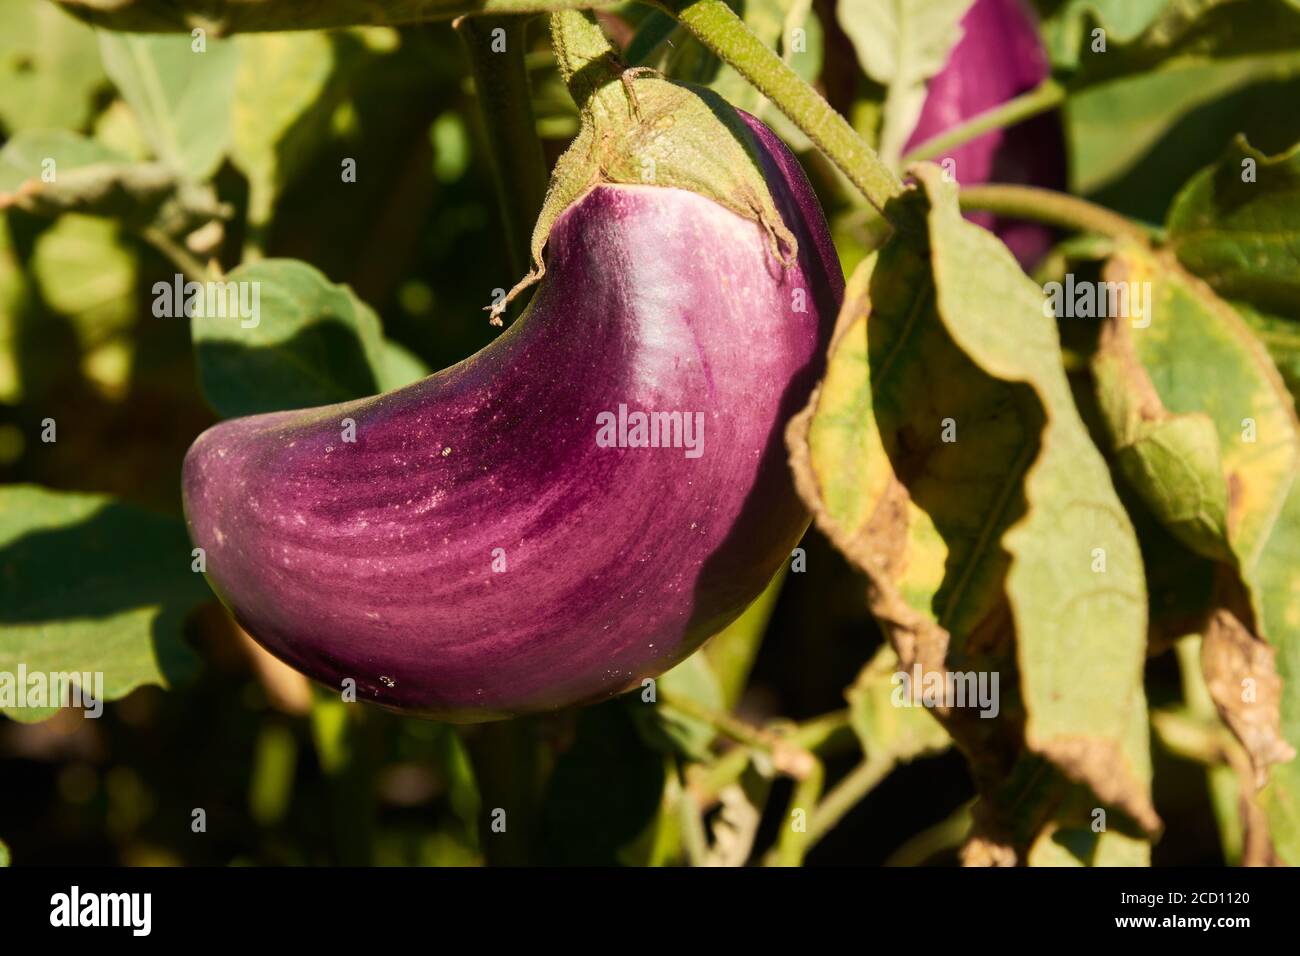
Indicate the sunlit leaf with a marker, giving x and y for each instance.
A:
(181, 95)
(49, 67)
(88, 584)
(51, 172)
(1237, 226)
(1192, 358)
(983, 504)
(311, 342)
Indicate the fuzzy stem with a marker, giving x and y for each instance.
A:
(505, 103)
(1052, 208)
(590, 65)
(715, 25)
(1047, 96)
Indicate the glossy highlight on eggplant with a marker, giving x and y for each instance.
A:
(476, 553)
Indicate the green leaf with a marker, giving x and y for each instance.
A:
(1281, 336)
(1202, 361)
(84, 176)
(312, 343)
(181, 95)
(49, 67)
(30, 157)
(1237, 226)
(1080, 626)
(981, 499)
(1070, 26)
(4, 854)
(1140, 35)
(886, 729)
(900, 45)
(276, 114)
(1082, 846)
(1113, 126)
(88, 584)
(694, 680)
(1199, 358)
(401, 367)
(1171, 460)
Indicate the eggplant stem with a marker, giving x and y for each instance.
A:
(716, 25)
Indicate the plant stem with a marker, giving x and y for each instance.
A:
(505, 103)
(715, 25)
(845, 796)
(1047, 96)
(1053, 208)
(694, 838)
(178, 255)
(788, 756)
(795, 842)
(589, 64)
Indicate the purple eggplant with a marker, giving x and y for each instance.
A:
(999, 57)
(498, 539)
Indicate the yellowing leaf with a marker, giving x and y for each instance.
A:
(944, 456)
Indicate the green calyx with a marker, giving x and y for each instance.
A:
(638, 128)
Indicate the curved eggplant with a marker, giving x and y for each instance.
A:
(504, 536)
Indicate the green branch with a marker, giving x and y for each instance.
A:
(796, 840)
(176, 253)
(847, 794)
(1046, 97)
(715, 25)
(1052, 208)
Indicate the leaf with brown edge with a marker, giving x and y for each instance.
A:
(1075, 583)
(1172, 461)
(1242, 678)
(1197, 357)
(975, 508)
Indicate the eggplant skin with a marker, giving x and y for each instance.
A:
(374, 559)
(999, 56)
